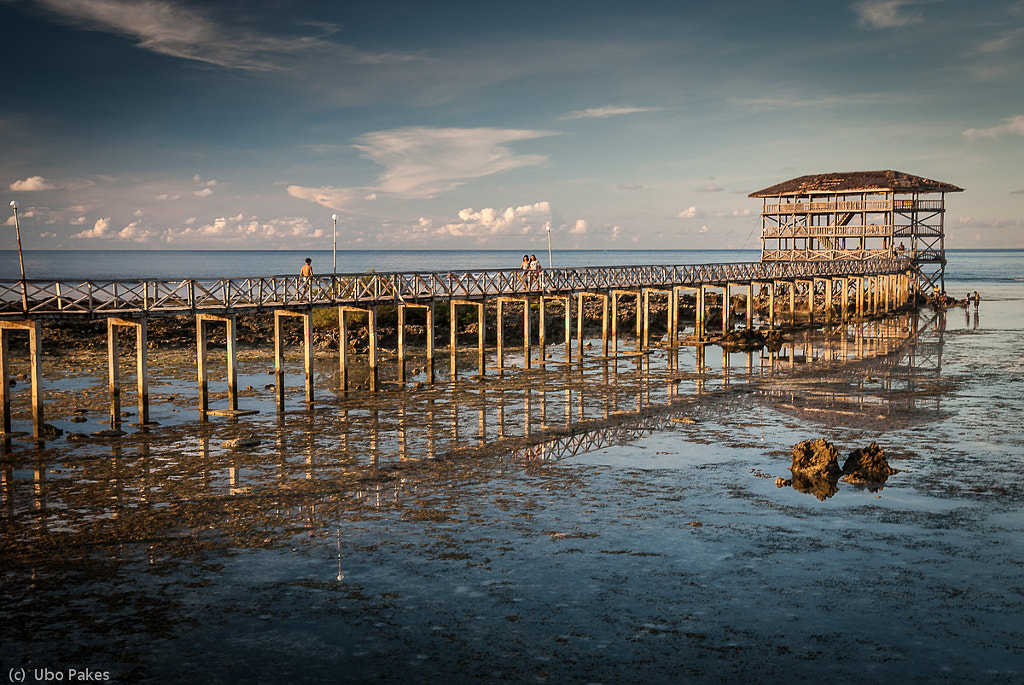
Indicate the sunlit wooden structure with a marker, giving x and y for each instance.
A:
(866, 287)
(856, 216)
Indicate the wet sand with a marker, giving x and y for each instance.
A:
(617, 524)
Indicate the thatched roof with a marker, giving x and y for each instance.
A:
(857, 182)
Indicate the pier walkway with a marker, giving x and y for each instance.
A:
(835, 289)
(101, 298)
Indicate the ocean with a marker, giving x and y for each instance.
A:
(964, 267)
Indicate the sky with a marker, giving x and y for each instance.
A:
(170, 124)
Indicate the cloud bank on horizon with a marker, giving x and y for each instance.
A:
(174, 123)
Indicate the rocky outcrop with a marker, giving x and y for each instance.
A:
(750, 339)
(867, 465)
(815, 468)
(816, 459)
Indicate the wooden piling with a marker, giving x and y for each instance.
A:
(141, 367)
(201, 362)
(307, 344)
(527, 337)
(499, 352)
(35, 336)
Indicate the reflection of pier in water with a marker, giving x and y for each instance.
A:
(349, 454)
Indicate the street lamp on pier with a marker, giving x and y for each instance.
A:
(21, 259)
(547, 227)
(335, 218)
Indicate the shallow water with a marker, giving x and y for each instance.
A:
(617, 523)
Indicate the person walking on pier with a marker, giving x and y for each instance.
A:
(306, 277)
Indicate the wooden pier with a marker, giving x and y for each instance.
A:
(831, 291)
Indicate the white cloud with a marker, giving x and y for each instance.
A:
(1006, 41)
(885, 14)
(185, 32)
(490, 222)
(241, 230)
(703, 229)
(331, 198)
(98, 230)
(205, 192)
(579, 228)
(689, 213)
(32, 183)
(421, 162)
(135, 232)
(607, 111)
(711, 188)
(1013, 125)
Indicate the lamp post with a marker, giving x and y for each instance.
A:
(335, 218)
(547, 227)
(21, 260)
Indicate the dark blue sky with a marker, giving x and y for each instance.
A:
(159, 123)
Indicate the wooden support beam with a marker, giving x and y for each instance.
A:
(481, 334)
(307, 340)
(579, 325)
(141, 368)
(750, 305)
(673, 318)
(542, 330)
(792, 301)
(430, 342)
(374, 349)
(500, 333)
(699, 313)
(35, 336)
(567, 300)
(604, 325)
(639, 320)
(201, 361)
(5, 378)
(401, 343)
(342, 350)
(527, 337)
(615, 322)
(726, 309)
(452, 344)
(829, 287)
(645, 296)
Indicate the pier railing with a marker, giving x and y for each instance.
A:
(93, 298)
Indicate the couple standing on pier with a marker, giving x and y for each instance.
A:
(531, 270)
